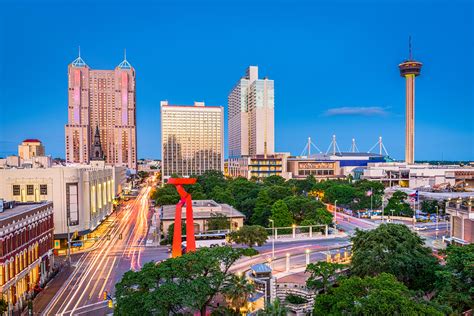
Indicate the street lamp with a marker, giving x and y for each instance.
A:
(383, 209)
(273, 239)
(437, 220)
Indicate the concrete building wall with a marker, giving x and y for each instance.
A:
(82, 195)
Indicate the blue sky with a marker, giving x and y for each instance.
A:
(334, 64)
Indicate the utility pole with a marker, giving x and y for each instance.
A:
(437, 219)
(383, 208)
(273, 240)
(371, 198)
(68, 242)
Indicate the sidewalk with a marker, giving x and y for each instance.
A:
(44, 297)
(289, 238)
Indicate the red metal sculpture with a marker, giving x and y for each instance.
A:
(185, 199)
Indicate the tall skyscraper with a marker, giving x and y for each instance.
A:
(192, 139)
(103, 100)
(410, 69)
(251, 116)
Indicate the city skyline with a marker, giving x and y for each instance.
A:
(328, 82)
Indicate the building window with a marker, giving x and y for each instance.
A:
(16, 189)
(29, 189)
(43, 189)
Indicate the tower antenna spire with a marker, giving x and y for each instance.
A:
(124, 54)
(79, 48)
(410, 55)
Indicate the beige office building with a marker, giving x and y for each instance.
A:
(30, 148)
(192, 139)
(251, 116)
(203, 211)
(82, 194)
(103, 99)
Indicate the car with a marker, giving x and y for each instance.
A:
(418, 228)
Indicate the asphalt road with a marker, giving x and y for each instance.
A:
(96, 271)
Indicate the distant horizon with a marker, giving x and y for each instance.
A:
(334, 64)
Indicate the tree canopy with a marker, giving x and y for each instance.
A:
(186, 283)
(455, 283)
(281, 215)
(393, 248)
(320, 274)
(249, 235)
(379, 295)
(398, 205)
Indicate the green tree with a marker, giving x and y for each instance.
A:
(302, 207)
(187, 282)
(343, 193)
(281, 216)
(393, 248)
(218, 221)
(278, 192)
(165, 195)
(430, 206)
(380, 295)
(211, 179)
(262, 209)
(455, 283)
(245, 194)
(238, 290)
(169, 237)
(274, 309)
(398, 204)
(249, 235)
(196, 191)
(320, 274)
(222, 195)
(363, 201)
(3, 306)
(273, 180)
(318, 216)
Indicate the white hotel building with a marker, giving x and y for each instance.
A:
(192, 139)
(251, 116)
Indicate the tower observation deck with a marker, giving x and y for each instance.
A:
(410, 69)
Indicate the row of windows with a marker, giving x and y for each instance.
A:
(30, 189)
(316, 172)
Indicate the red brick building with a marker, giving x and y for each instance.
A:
(26, 250)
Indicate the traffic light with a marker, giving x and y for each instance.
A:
(110, 304)
(105, 295)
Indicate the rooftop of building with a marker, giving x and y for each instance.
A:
(20, 208)
(197, 104)
(31, 140)
(202, 209)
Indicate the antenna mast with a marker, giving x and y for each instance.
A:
(354, 146)
(410, 56)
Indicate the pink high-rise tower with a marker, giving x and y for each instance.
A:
(103, 99)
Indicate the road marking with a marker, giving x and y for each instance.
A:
(107, 277)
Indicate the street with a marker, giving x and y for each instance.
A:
(96, 271)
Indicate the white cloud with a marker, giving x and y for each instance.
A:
(358, 110)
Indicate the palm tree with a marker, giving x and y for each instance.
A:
(274, 309)
(237, 290)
